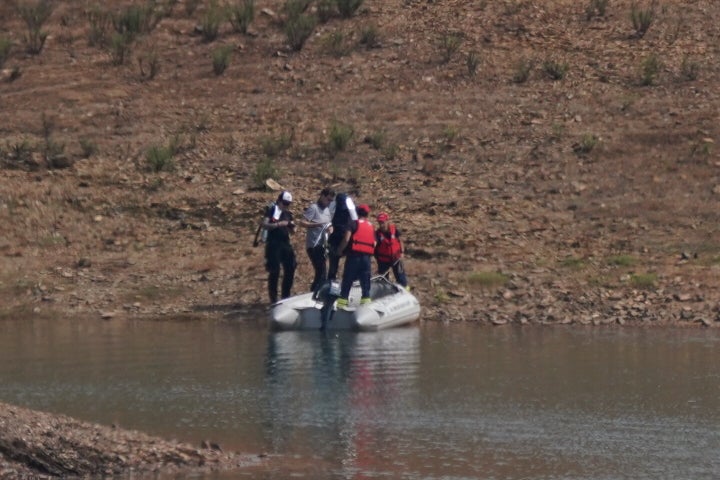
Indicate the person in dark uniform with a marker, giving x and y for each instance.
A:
(344, 217)
(278, 221)
(359, 245)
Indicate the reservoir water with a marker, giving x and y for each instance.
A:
(425, 402)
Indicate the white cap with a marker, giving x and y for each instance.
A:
(286, 196)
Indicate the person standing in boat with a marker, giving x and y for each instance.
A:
(316, 219)
(344, 217)
(389, 249)
(278, 221)
(359, 243)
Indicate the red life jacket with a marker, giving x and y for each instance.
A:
(388, 246)
(363, 240)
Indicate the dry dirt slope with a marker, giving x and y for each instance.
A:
(595, 196)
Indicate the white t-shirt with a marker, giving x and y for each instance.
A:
(314, 213)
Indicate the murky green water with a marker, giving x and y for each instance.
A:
(428, 402)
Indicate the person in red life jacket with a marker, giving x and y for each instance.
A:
(358, 244)
(389, 249)
(278, 221)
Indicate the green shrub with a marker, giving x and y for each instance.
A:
(340, 136)
(573, 263)
(135, 20)
(472, 61)
(88, 147)
(596, 8)
(587, 144)
(264, 170)
(159, 158)
(149, 64)
(241, 15)
(622, 260)
(650, 69)
(522, 70)
(35, 15)
(449, 43)
(325, 9)
(643, 280)
(487, 279)
(5, 48)
(335, 43)
(689, 69)
(369, 36)
(221, 58)
(554, 69)
(347, 8)
(120, 48)
(376, 139)
(298, 29)
(100, 22)
(272, 146)
(642, 18)
(211, 21)
(295, 8)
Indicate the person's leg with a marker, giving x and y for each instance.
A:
(399, 271)
(364, 272)
(333, 267)
(272, 265)
(350, 274)
(317, 258)
(288, 264)
(383, 267)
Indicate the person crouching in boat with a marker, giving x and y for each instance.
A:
(359, 243)
(389, 249)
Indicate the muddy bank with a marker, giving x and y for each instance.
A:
(42, 445)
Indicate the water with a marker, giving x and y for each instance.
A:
(428, 402)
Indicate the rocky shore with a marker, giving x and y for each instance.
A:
(38, 445)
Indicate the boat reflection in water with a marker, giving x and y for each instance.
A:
(330, 396)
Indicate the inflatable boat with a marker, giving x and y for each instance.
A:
(391, 306)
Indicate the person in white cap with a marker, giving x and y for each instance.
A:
(278, 221)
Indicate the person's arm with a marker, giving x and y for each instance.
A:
(344, 243)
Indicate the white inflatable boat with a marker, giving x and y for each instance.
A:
(391, 306)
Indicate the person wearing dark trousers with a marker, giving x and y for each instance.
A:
(279, 253)
(344, 217)
(316, 219)
(360, 245)
(389, 249)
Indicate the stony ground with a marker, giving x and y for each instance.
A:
(556, 167)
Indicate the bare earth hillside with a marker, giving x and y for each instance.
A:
(546, 162)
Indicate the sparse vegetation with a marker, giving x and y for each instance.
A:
(369, 36)
(555, 69)
(88, 148)
(649, 70)
(689, 69)
(622, 261)
(573, 263)
(642, 18)
(487, 279)
(221, 58)
(100, 21)
(160, 158)
(149, 64)
(5, 48)
(643, 280)
(274, 145)
(298, 29)
(347, 8)
(449, 43)
(35, 15)
(211, 21)
(587, 144)
(522, 70)
(472, 61)
(241, 15)
(339, 136)
(376, 139)
(596, 8)
(325, 9)
(264, 170)
(120, 48)
(336, 44)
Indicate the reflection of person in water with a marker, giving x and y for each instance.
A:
(328, 391)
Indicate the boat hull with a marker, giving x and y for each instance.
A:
(392, 306)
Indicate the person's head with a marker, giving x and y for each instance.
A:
(327, 195)
(363, 210)
(284, 199)
(383, 220)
